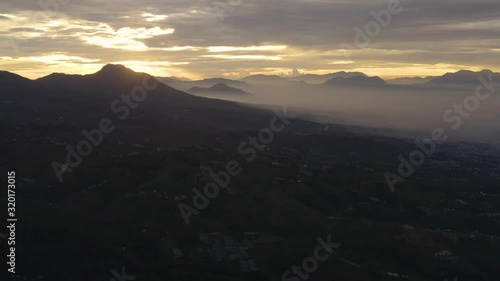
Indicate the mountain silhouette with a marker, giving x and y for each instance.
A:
(218, 89)
(410, 80)
(110, 79)
(322, 78)
(207, 82)
(81, 101)
(13, 85)
(356, 81)
(229, 82)
(462, 78)
(264, 79)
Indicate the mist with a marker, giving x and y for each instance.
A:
(407, 110)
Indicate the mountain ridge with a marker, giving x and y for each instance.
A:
(219, 88)
(357, 81)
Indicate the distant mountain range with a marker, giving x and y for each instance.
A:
(114, 79)
(356, 81)
(462, 78)
(81, 101)
(264, 79)
(410, 80)
(87, 99)
(208, 82)
(229, 82)
(322, 78)
(219, 89)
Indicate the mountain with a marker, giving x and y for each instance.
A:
(265, 79)
(110, 83)
(170, 80)
(110, 79)
(462, 78)
(410, 80)
(180, 78)
(82, 101)
(23, 101)
(357, 81)
(13, 83)
(218, 80)
(322, 78)
(218, 89)
(205, 83)
(12, 78)
(94, 94)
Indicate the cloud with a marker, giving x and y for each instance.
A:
(270, 36)
(126, 38)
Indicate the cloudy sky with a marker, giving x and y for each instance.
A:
(234, 38)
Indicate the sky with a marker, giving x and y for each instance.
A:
(236, 38)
